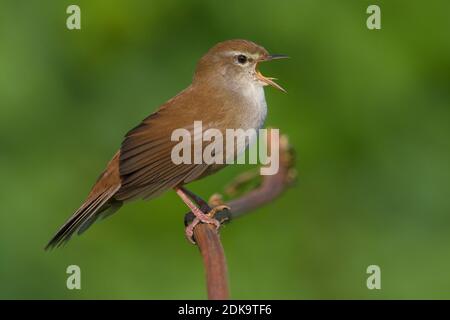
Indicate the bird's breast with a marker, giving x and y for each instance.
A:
(251, 108)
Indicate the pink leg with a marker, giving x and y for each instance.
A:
(199, 215)
(199, 201)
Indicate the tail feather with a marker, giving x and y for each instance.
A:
(83, 217)
(107, 210)
(98, 201)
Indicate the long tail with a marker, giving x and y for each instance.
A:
(100, 202)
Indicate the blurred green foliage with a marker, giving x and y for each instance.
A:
(367, 112)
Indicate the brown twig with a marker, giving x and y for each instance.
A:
(207, 237)
(208, 241)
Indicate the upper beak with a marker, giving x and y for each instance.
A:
(267, 80)
(276, 56)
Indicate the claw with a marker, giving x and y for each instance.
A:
(189, 231)
(216, 209)
(200, 217)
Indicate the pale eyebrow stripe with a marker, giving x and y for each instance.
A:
(234, 53)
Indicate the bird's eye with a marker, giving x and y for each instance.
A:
(241, 59)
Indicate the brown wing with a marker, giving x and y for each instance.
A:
(146, 167)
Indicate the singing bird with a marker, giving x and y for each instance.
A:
(227, 92)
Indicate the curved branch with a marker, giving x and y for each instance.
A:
(207, 237)
(208, 241)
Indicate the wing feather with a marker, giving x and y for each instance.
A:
(146, 167)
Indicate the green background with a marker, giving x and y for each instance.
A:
(366, 111)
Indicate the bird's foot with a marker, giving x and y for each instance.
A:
(189, 231)
(216, 209)
(201, 217)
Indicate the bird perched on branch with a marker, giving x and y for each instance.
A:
(226, 92)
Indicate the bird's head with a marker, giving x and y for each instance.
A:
(235, 63)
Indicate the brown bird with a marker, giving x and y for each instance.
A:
(226, 93)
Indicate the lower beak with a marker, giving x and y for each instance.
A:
(267, 80)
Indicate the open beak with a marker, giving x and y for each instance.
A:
(267, 80)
